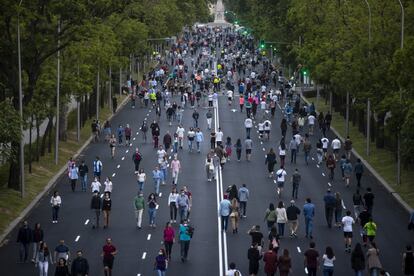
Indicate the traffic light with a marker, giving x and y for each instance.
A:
(305, 71)
(262, 44)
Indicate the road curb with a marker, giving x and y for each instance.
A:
(52, 182)
(384, 183)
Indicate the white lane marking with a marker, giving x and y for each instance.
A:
(86, 222)
(77, 238)
(126, 151)
(313, 158)
(274, 181)
(133, 139)
(169, 157)
(138, 132)
(160, 195)
(123, 157)
(264, 149)
(298, 248)
(149, 237)
(306, 270)
(145, 118)
(139, 274)
(144, 255)
(172, 150)
(323, 174)
(156, 207)
(329, 184)
(261, 143)
(113, 175)
(317, 166)
(101, 195)
(118, 166)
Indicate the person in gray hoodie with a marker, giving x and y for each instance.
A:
(243, 198)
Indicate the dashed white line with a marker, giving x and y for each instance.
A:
(123, 157)
(86, 222)
(77, 238)
(101, 195)
(317, 166)
(306, 270)
(144, 255)
(261, 143)
(264, 149)
(329, 184)
(313, 158)
(139, 274)
(133, 139)
(138, 132)
(172, 150)
(149, 237)
(126, 151)
(145, 118)
(156, 207)
(298, 248)
(323, 174)
(118, 166)
(113, 175)
(160, 195)
(169, 157)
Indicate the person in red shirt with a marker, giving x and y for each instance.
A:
(311, 259)
(108, 253)
(270, 260)
(169, 239)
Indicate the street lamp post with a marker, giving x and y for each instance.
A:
(368, 101)
(19, 57)
(399, 130)
(57, 99)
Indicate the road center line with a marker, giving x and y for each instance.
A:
(123, 157)
(86, 222)
(77, 238)
(144, 255)
(323, 174)
(298, 248)
(113, 175)
(118, 166)
(149, 237)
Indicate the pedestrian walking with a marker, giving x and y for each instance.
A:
(209, 116)
(167, 140)
(83, 175)
(24, 239)
(238, 147)
(136, 158)
(348, 147)
(254, 256)
(296, 178)
(359, 171)
(319, 151)
(61, 252)
(164, 170)
(281, 218)
(80, 265)
(248, 144)
(373, 261)
(408, 261)
(280, 178)
(106, 208)
(108, 186)
(120, 132)
(190, 137)
(172, 203)
(293, 146)
(112, 145)
(199, 138)
(161, 263)
(307, 147)
(139, 207)
(270, 216)
(347, 168)
(282, 152)
(185, 233)
(232, 270)
(339, 205)
(270, 161)
(127, 132)
(358, 260)
(369, 200)
(169, 239)
(370, 228)
(183, 205)
(330, 203)
(96, 185)
(330, 165)
(285, 263)
(73, 175)
(309, 213)
(96, 204)
(243, 198)
(209, 168)
(144, 129)
(224, 212)
(108, 253)
(270, 260)
(62, 268)
(55, 202)
(156, 177)
(248, 124)
(219, 137)
(328, 260)
(357, 202)
(234, 215)
(152, 209)
(43, 259)
(97, 167)
(336, 147)
(37, 237)
(141, 178)
(292, 215)
(228, 148)
(311, 259)
(347, 223)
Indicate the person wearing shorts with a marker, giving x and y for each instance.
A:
(280, 178)
(347, 223)
(108, 253)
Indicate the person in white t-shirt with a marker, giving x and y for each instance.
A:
(347, 223)
(311, 123)
(96, 185)
(180, 132)
(280, 179)
(267, 126)
(248, 124)
(325, 144)
(336, 146)
(233, 271)
(219, 137)
(230, 97)
(160, 154)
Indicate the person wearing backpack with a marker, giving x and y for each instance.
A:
(136, 157)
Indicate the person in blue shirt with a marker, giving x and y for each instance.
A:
(185, 237)
(330, 203)
(120, 132)
(309, 213)
(224, 212)
(157, 176)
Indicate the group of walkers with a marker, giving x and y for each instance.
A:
(188, 82)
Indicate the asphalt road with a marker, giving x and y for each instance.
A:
(138, 248)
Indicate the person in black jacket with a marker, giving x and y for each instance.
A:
(83, 173)
(80, 265)
(24, 238)
(62, 268)
(254, 257)
(292, 213)
(106, 208)
(96, 205)
(358, 259)
(270, 161)
(37, 237)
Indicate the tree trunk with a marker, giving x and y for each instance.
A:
(37, 139)
(30, 144)
(45, 136)
(14, 169)
(63, 122)
(50, 140)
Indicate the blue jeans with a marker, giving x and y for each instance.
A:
(190, 145)
(374, 272)
(84, 181)
(308, 226)
(175, 147)
(293, 156)
(185, 245)
(359, 272)
(328, 271)
(157, 185)
(140, 185)
(152, 212)
(55, 213)
(306, 157)
(164, 174)
(281, 229)
(224, 222)
(183, 212)
(198, 146)
(161, 273)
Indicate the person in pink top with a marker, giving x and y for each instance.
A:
(169, 239)
(241, 102)
(175, 169)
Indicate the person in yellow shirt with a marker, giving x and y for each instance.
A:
(370, 229)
